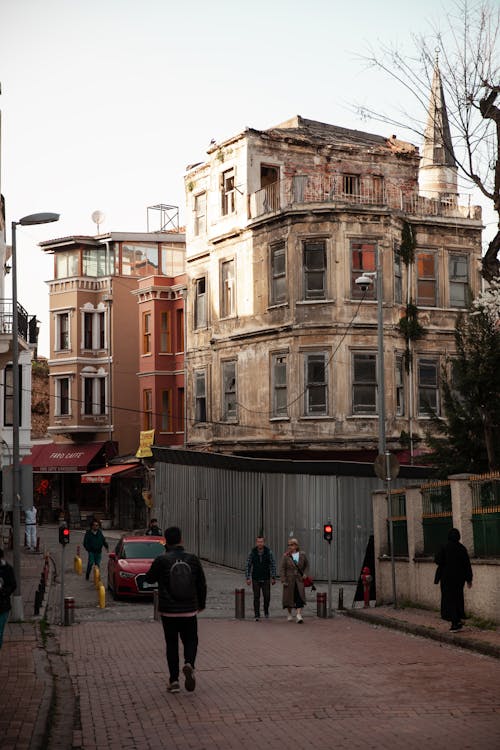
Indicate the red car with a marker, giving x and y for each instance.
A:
(129, 563)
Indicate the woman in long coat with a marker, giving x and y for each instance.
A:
(294, 566)
(453, 571)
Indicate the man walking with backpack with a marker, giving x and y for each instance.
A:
(182, 593)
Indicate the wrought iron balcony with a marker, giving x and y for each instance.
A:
(27, 326)
(302, 190)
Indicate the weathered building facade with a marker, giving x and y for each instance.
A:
(282, 342)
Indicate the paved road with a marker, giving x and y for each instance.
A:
(335, 683)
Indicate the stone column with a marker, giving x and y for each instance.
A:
(461, 503)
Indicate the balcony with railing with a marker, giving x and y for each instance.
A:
(341, 191)
(27, 326)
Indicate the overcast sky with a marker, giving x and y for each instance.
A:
(105, 102)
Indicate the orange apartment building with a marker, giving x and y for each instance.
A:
(105, 385)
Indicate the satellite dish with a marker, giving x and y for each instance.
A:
(98, 218)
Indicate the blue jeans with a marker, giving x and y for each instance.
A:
(4, 616)
(94, 559)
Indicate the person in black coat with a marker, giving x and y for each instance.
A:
(178, 609)
(453, 571)
(7, 588)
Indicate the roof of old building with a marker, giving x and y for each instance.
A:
(301, 129)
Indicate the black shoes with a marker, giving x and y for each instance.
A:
(189, 679)
(456, 626)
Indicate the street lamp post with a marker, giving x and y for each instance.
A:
(17, 602)
(363, 282)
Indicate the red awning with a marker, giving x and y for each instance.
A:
(104, 475)
(62, 457)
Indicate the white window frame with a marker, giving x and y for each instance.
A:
(57, 402)
(97, 379)
(228, 191)
(200, 303)
(58, 318)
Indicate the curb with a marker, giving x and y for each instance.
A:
(471, 644)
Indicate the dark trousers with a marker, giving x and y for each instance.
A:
(185, 628)
(265, 587)
(94, 559)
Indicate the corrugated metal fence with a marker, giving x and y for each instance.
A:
(221, 510)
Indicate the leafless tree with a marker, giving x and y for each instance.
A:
(468, 50)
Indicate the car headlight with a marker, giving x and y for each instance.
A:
(126, 575)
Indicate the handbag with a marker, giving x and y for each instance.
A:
(306, 580)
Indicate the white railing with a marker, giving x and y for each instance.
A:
(305, 189)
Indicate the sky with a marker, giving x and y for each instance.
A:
(105, 102)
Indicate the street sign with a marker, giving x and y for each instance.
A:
(386, 466)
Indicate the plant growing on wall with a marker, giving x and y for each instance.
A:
(411, 330)
(407, 246)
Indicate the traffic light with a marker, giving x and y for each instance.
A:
(63, 534)
(328, 532)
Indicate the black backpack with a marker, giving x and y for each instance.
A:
(180, 580)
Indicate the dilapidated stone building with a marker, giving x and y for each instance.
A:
(283, 343)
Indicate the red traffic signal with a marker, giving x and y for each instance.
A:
(63, 534)
(328, 532)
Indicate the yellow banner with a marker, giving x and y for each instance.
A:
(146, 440)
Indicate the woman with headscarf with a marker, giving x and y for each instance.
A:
(294, 567)
(453, 571)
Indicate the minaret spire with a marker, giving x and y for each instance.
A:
(438, 170)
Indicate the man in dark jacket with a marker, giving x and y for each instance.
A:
(260, 572)
(454, 570)
(182, 594)
(93, 541)
(7, 588)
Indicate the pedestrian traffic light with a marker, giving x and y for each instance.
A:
(63, 534)
(328, 532)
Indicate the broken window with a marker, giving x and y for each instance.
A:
(229, 404)
(228, 192)
(200, 396)
(200, 303)
(400, 391)
(227, 304)
(279, 385)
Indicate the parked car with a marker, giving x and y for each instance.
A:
(129, 563)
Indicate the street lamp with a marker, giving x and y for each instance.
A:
(389, 465)
(17, 602)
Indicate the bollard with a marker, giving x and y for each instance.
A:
(366, 580)
(341, 598)
(239, 604)
(77, 564)
(69, 610)
(97, 576)
(321, 605)
(156, 613)
(38, 602)
(102, 595)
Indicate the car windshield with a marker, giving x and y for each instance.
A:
(142, 550)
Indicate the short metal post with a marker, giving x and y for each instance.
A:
(321, 605)
(69, 610)
(156, 613)
(239, 604)
(341, 597)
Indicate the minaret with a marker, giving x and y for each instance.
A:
(438, 171)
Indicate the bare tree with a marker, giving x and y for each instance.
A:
(468, 47)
